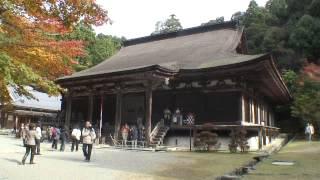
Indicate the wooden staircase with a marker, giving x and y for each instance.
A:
(158, 134)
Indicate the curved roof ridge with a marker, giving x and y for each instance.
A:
(182, 32)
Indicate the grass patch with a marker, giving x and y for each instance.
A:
(205, 165)
(307, 163)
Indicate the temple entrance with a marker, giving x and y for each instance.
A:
(133, 108)
(108, 110)
(79, 110)
(212, 107)
(106, 105)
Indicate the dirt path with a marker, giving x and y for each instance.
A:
(114, 164)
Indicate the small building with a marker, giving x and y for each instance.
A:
(42, 109)
(204, 71)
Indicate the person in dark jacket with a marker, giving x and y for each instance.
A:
(55, 137)
(63, 138)
(134, 135)
(141, 134)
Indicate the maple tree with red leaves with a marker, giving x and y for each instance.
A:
(30, 53)
(312, 70)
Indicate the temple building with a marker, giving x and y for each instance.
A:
(184, 79)
(42, 108)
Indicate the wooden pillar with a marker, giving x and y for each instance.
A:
(195, 134)
(259, 113)
(2, 119)
(68, 111)
(16, 121)
(101, 116)
(118, 114)
(260, 138)
(264, 136)
(270, 135)
(148, 110)
(90, 107)
(242, 110)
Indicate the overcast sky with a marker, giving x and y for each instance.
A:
(136, 18)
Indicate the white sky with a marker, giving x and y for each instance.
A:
(136, 18)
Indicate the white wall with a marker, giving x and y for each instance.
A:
(184, 142)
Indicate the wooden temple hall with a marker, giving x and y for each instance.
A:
(173, 82)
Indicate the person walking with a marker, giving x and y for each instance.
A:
(141, 135)
(167, 116)
(38, 141)
(134, 136)
(31, 137)
(125, 133)
(63, 138)
(88, 136)
(309, 131)
(55, 137)
(23, 134)
(75, 136)
(49, 133)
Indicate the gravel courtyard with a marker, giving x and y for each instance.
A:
(108, 163)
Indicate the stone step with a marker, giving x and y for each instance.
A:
(156, 139)
(159, 136)
(162, 131)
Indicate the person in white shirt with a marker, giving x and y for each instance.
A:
(39, 134)
(75, 135)
(309, 131)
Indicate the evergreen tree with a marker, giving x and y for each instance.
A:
(290, 29)
(169, 25)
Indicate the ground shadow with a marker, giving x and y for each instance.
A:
(12, 160)
(66, 158)
(20, 145)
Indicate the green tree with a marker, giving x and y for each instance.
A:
(97, 47)
(290, 30)
(238, 16)
(306, 93)
(169, 25)
(305, 37)
(278, 10)
(270, 28)
(284, 27)
(104, 47)
(218, 20)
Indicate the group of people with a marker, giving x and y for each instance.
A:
(31, 136)
(177, 117)
(56, 135)
(132, 133)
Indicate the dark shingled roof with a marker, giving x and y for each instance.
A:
(194, 48)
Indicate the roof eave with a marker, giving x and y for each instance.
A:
(118, 73)
(228, 66)
(290, 97)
